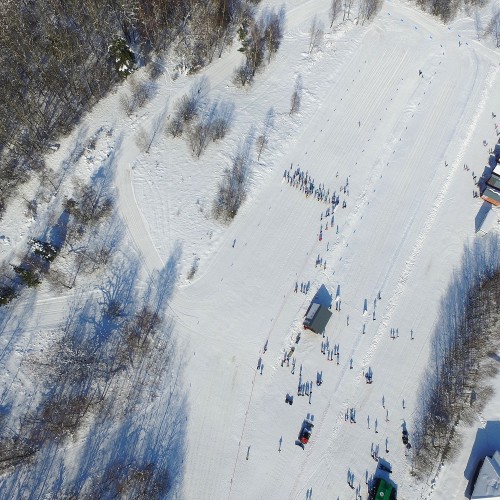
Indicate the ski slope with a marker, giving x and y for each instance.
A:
(397, 142)
(402, 231)
(401, 201)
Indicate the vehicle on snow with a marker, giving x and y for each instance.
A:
(305, 432)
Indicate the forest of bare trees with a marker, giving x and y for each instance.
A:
(447, 9)
(260, 40)
(106, 363)
(59, 58)
(463, 358)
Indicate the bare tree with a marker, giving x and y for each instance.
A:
(335, 8)
(189, 105)
(257, 38)
(233, 187)
(347, 9)
(242, 75)
(146, 138)
(221, 119)
(141, 93)
(263, 138)
(175, 126)
(296, 96)
(316, 33)
(368, 9)
(142, 139)
(212, 125)
(199, 136)
(273, 30)
(494, 26)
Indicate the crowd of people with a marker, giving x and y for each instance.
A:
(304, 182)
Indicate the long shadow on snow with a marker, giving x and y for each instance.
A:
(480, 261)
(142, 430)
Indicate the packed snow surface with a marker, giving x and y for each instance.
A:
(392, 144)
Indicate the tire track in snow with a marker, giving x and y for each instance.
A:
(134, 219)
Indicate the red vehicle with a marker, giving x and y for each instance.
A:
(306, 431)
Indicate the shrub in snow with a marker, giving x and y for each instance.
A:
(29, 277)
(194, 268)
(44, 249)
(141, 93)
(7, 293)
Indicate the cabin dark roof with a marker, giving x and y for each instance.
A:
(317, 317)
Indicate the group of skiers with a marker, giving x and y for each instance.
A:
(375, 451)
(394, 333)
(304, 388)
(303, 181)
(350, 414)
(304, 287)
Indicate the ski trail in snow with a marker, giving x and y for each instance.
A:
(409, 264)
(350, 224)
(401, 285)
(134, 219)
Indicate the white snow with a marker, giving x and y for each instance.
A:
(368, 118)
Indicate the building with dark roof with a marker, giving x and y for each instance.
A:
(491, 192)
(316, 318)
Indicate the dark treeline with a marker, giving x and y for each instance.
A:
(59, 58)
(446, 9)
(462, 358)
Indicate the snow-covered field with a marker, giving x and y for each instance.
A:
(392, 144)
